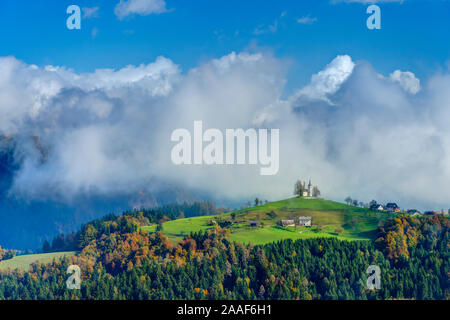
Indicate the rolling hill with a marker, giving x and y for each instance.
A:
(329, 218)
(24, 262)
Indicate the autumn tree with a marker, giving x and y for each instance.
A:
(6, 254)
(299, 188)
(316, 192)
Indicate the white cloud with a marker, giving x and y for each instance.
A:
(327, 81)
(141, 7)
(271, 28)
(262, 29)
(351, 131)
(90, 12)
(26, 90)
(407, 81)
(306, 20)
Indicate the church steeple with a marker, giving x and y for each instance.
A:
(310, 193)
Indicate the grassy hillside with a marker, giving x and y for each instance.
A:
(24, 262)
(329, 218)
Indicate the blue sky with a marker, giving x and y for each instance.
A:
(363, 113)
(414, 34)
(109, 131)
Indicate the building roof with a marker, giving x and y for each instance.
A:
(392, 205)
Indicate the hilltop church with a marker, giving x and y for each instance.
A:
(308, 193)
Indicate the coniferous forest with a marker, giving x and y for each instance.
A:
(118, 260)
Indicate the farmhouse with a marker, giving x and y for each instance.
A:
(254, 223)
(413, 212)
(288, 223)
(376, 207)
(392, 207)
(305, 221)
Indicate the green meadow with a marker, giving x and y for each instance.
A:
(24, 262)
(329, 219)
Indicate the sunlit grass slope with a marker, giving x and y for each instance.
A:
(24, 262)
(329, 218)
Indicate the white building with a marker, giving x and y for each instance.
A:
(288, 223)
(310, 192)
(305, 221)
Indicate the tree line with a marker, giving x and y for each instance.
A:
(6, 254)
(159, 215)
(121, 261)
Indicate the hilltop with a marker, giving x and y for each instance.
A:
(118, 260)
(329, 219)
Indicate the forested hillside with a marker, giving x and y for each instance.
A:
(105, 225)
(119, 260)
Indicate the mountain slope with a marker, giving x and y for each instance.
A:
(329, 218)
(24, 262)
